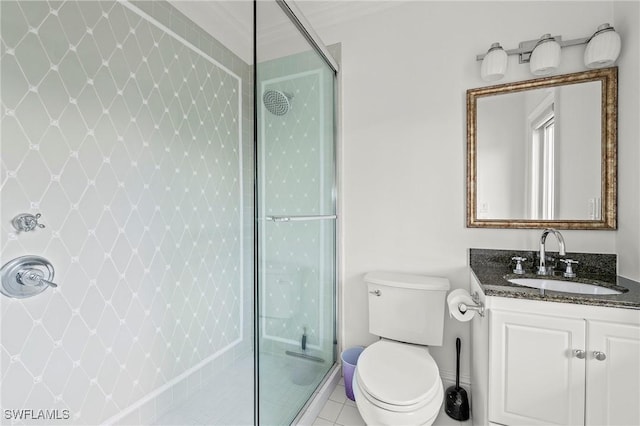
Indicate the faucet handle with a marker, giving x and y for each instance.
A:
(568, 273)
(519, 259)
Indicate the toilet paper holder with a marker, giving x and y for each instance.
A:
(478, 307)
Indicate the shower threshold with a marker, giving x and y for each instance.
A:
(305, 356)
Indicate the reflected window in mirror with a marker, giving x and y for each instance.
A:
(542, 182)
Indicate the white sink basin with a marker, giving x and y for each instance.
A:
(565, 286)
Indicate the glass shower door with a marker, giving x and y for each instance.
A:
(296, 216)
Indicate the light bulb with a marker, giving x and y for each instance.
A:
(603, 48)
(545, 58)
(494, 64)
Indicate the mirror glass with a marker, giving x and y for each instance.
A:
(542, 153)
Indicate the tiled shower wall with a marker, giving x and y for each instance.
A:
(131, 132)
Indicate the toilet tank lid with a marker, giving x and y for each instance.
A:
(397, 279)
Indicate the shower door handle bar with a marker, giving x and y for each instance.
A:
(300, 218)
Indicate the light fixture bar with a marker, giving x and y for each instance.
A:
(545, 53)
(526, 47)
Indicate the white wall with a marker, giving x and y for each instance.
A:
(627, 22)
(404, 76)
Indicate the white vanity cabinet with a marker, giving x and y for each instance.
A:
(553, 363)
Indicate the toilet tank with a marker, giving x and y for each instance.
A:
(407, 308)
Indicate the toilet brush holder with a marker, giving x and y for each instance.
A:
(456, 399)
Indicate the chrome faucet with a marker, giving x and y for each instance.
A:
(542, 268)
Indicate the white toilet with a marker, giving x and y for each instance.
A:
(396, 381)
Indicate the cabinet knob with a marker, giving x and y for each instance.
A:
(578, 353)
(376, 292)
(600, 356)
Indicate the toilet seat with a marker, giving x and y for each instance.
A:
(397, 376)
(390, 407)
(375, 415)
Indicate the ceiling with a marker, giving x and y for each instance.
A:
(324, 14)
(231, 23)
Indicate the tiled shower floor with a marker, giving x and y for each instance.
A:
(286, 383)
(226, 400)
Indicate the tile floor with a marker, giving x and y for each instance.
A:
(341, 411)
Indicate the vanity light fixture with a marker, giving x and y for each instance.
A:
(543, 54)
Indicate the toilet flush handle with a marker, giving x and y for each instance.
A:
(376, 292)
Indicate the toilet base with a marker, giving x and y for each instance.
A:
(373, 415)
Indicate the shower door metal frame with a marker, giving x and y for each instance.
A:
(304, 27)
(297, 18)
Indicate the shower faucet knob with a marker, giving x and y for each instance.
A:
(26, 222)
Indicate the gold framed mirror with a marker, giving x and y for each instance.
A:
(542, 153)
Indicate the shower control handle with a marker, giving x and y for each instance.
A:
(26, 276)
(376, 292)
(33, 277)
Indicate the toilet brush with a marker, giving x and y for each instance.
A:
(456, 400)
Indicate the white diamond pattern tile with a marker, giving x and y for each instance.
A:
(128, 142)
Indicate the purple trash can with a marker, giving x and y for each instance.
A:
(349, 360)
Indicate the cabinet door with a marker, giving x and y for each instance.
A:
(535, 378)
(613, 384)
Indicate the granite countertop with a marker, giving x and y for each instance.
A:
(493, 269)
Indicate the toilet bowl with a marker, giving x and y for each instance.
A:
(397, 384)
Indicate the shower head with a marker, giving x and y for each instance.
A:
(277, 102)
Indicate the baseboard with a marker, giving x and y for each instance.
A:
(449, 378)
